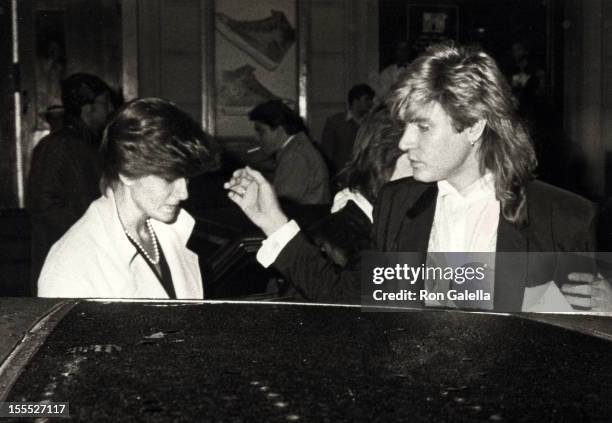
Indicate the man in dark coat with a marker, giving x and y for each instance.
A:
(66, 169)
(472, 190)
(341, 129)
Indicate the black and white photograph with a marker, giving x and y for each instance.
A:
(306, 210)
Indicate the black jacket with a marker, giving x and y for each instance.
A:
(557, 221)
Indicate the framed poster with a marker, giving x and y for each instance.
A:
(256, 51)
(431, 24)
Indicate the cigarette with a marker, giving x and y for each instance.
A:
(252, 150)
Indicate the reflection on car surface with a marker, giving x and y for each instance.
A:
(215, 361)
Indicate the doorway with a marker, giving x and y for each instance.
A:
(10, 195)
(53, 39)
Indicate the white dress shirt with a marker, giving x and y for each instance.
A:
(465, 221)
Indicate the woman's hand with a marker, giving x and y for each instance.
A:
(255, 196)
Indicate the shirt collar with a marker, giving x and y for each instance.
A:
(350, 116)
(346, 195)
(481, 188)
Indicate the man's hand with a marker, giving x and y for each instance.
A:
(589, 292)
(255, 196)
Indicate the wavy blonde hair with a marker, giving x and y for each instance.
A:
(468, 85)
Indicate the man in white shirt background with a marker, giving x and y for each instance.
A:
(300, 173)
(473, 187)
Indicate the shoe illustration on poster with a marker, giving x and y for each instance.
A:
(265, 40)
(241, 91)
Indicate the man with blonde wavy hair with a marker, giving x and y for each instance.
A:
(473, 188)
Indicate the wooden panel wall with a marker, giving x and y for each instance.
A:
(93, 39)
(169, 64)
(343, 52)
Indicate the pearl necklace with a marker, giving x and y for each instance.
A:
(141, 248)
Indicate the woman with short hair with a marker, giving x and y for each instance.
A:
(131, 242)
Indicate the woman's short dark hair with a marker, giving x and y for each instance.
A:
(275, 113)
(375, 153)
(152, 136)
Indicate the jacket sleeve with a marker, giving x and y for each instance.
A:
(578, 252)
(317, 276)
(289, 181)
(589, 241)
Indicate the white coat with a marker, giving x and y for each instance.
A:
(95, 259)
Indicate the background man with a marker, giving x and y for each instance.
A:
(300, 175)
(473, 188)
(65, 172)
(340, 129)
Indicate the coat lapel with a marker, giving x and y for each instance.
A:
(182, 262)
(409, 220)
(412, 226)
(408, 210)
(131, 277)
(415, 222)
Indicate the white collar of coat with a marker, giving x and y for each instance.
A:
(106, 208)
